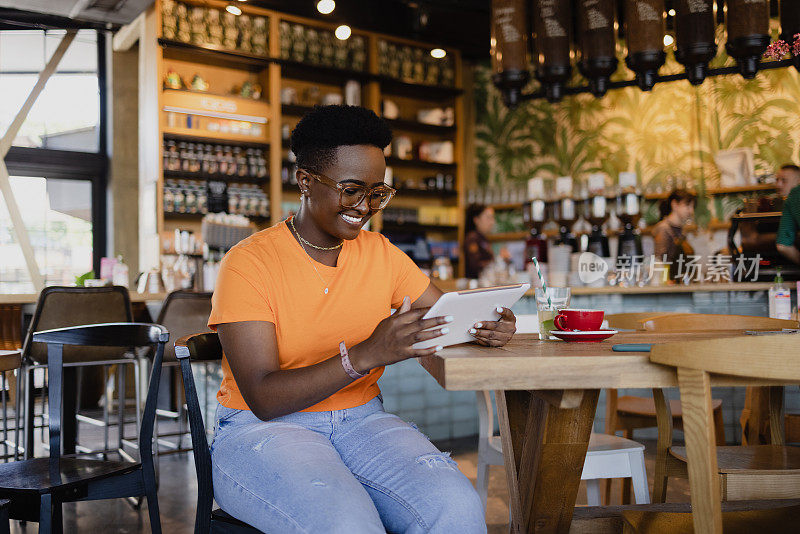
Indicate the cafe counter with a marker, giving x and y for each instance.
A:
(741, 298)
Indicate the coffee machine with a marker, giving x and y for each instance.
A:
(596, 212)
(629, 213)
(534, 216)
(564, 214)
(597, 216)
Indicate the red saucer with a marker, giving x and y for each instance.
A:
(579, 336)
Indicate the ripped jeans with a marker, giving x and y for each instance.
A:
(351, 471)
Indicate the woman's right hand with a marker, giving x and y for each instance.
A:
(392, 339)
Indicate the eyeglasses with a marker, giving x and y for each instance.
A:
(351, 195)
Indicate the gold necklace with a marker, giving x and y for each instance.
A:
(312, 245)
(309, 257)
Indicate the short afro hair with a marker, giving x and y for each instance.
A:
(321, 131)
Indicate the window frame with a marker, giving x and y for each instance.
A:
(75, 165)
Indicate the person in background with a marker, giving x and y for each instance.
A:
(670, 243)
(477, 250)
(788, 178)
(478, 253)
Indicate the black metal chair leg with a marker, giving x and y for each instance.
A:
(121, 397)
(5, 528)
(57, 524)
(46, 514)
(152, 502)
(30, 416)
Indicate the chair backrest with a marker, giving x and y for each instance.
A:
(183, 313)
(9, 360)
(60, 307)
(764, 356)
(632, 321)
(128, 335)
(684, 322)
(200, 348)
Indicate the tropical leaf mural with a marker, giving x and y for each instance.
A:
(670, 134)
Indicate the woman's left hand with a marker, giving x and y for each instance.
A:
(495, 333)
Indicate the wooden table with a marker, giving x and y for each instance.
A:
(546, 394)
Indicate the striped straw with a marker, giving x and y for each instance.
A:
(544, 284)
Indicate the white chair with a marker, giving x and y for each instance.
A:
(608, 456)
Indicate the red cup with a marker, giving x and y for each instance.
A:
(587, 320)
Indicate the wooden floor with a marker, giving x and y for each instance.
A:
(178, 486)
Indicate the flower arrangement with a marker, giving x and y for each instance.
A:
(780, 48)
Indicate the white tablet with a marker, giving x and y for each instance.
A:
(469, 307)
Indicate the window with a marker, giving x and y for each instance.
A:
(58, 216)
(66, 114)
(57, 162)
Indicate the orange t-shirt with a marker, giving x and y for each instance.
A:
(269, 277)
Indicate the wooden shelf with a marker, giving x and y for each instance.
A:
(416, 227)
(743, 189)
(420, 127)
(713, 226)
(306, 71)
(295, 109)
(290, 68)
(319, 73)
(719, 191)
(425, 193)
(761, 215)
(392, 86)
(202, 52)
(213, 137)
(718, 225)
(224, 68)
(181, 175)
(506, 206)
(508, 236)
(168, 90)
(398, 162)
(178, 215)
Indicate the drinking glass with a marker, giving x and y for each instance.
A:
(548, 308)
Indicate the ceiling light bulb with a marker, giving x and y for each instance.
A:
(668, 40)
(233, 10)
(671, 12)
(342, 32)
(326, 7)
(438, 53)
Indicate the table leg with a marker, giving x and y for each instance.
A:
(69, 422)
(544, 448)
(701, 451)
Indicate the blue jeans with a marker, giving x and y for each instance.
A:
(351, 471)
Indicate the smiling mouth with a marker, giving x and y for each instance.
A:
(349, 219)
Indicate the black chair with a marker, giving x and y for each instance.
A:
(9, 361)
(183, 313)
(204, 348)
(85, 368)
(37, 487)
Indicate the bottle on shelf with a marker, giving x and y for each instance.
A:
(780, 298)
(119, 275)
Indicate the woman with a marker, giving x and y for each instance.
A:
(478, 252)
(670, 243)
(302, 442)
